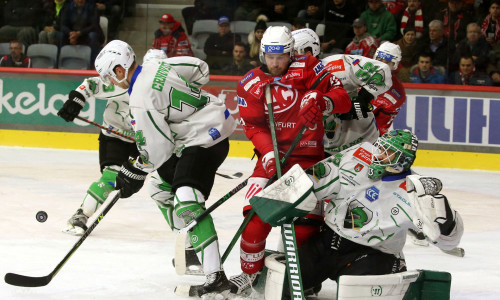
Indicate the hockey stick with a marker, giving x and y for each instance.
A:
(28, 281)
(106, 128)
(233, 176)
(271, 180)
(457, 251)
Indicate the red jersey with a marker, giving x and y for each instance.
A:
(304, 74)
(365, 47)
(174, 44)
(387, 105)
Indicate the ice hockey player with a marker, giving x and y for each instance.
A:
(182, 132)
(365, 79)
(375, 199)
(302, 93)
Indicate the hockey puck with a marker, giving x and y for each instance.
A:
(41, 216)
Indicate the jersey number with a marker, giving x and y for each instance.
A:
(179, 97)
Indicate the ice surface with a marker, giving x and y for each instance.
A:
(129, 254)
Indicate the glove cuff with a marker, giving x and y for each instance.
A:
(135, 174)
(329, 105)
(266, 157)
(77, 98)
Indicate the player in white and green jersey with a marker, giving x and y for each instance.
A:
(182, 133)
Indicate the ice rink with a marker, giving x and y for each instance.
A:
(129, 254)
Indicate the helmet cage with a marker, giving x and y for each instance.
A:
(394, 153)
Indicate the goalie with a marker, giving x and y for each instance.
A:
(375, 199)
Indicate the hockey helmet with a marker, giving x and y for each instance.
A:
(390, 52)
(276, 39)
(394, 152)
(154, 54)
(115, 53)
(305, 38)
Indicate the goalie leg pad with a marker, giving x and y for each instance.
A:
(99, 190)
(275, 279)
(417, 284)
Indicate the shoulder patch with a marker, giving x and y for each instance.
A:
(318, 68)
(244, 79)
(335, 66)
(298, 65)
(241, 101)
(372, 193)
(396, 93)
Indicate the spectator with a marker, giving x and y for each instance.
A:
(112, 10)
(200, 11)
(312, 14)
(409, 51)
(171, 38)
(278, 12)
(52, 21)
(395, 7)
(467, 74)
(80, 26)
(495, 78)
(455, 19)
(254, 39)
(219, 46)
(491, 24)
(425, 72)
(413, 17)
(363, 43)
(339, 15)
(437, 44)
(380, 22)
(241, 64)
(21, 21)
(249, 10)
(474, 44)
(298, 23)
(16, 58)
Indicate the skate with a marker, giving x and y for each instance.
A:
(77, 223)
(216, 287)
(193, 265)
(243, 283)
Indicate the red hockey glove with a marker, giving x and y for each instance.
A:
(312, 107)
(269, 164)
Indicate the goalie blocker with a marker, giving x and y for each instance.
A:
(288, 198)
(416, 284)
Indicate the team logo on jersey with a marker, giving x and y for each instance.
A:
(363, 155)
(335, 66)
(403, 185)
(214, 133)
(241, 101)
(318, 68)
(249, 75)
(298, 65)
(284, 98)
(358, 167)
(357, 215)
(372, 193)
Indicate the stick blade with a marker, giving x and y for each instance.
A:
(27, 281)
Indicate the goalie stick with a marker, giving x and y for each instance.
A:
(457, 251)
(232, 176)
(29, 281)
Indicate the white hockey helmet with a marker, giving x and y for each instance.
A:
(154, 54)
(390, 52)
(305, 38)
(115, 53)
(276, 39)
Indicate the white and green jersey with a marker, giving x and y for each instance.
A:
(354, 72)
(170, 113)
(116, 114)
(374, 213)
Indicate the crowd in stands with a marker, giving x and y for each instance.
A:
(442, 41)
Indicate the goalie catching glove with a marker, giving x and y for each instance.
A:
(72, 106)
(433, 214)
(314, 104)
(129, 180)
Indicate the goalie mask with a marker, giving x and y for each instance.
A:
(306, 38)
(394, 153)
(276, 39)
(115, 53)
(389, 52)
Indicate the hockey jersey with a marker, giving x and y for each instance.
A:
(169, 113)
(355, 72)
(374, 213)
(387, 106)
(305, 73)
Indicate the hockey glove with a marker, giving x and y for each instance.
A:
(312, 107)
(360, 106)
(129, 180)
(72, 106)
(269, 164)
